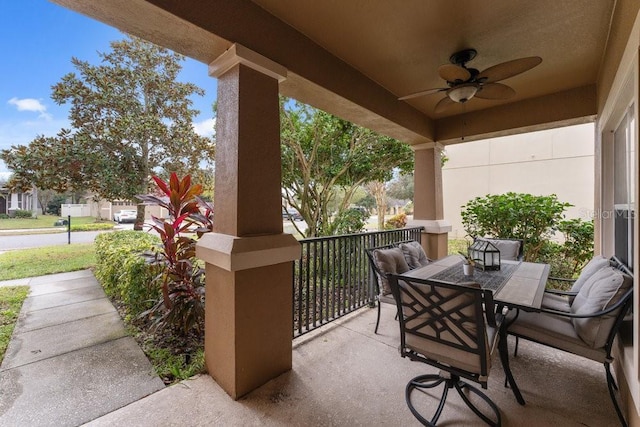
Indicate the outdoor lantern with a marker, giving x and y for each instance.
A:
(485, 254)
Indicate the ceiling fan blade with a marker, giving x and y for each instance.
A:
(508, 69)
(452, 73)
(424, 92)
(495, 91)
(443, 104)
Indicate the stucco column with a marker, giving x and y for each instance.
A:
(428, 205)
(248, 318)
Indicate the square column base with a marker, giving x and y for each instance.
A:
(435, 237)
(248, 308)
(248, 326)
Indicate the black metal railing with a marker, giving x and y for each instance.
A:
(333, 277)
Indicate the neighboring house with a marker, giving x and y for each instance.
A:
(10, 202)
(557, 161)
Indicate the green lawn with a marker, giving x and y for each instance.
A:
(457, 245)
(43, 221)
(46, 260)
(11, 299)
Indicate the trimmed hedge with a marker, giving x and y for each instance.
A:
(123, 272)
(23, 214)
(92, 226)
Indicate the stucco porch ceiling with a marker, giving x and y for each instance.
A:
(354, 58)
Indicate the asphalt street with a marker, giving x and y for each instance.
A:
(11, 242)
(36, 240)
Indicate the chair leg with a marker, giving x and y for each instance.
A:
(426, 381)
(460, 385)
(431, 381)
(378, 319)
(611, 384)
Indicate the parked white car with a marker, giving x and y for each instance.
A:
(125, 216)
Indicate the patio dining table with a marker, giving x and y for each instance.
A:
(517, 285)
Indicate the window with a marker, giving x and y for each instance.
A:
(624, 187)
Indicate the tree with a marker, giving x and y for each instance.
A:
(401, 187)
(130, 118)
(323, 156)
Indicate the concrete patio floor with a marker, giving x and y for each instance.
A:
(345, 375)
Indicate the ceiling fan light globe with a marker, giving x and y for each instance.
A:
(462, 93)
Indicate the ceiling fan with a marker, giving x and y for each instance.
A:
(465, 83)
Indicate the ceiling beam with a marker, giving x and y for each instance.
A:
(573, 106)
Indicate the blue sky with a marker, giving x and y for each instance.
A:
(37, 41)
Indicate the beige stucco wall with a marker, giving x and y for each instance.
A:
(556, 161)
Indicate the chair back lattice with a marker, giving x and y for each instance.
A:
(443, 324)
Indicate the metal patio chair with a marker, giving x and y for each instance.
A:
(444, 325)
(590, 326)
(385, 260)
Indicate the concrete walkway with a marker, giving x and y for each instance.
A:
(70, 360)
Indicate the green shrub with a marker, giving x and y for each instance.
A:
(552, 253)
(396, 221)
(92, 226)
(124, 273)
(578, 245)
(531, 218)
(23, 214)
(350, 221)
(4, 216)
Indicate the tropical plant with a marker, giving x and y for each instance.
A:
(182, 276)
(530, 218)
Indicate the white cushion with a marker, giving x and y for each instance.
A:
(602, 290)
(554, 331)
(509, 249)
(560, 303)
(414, 254)
(595, 264)
(389, 261)
(556, 302)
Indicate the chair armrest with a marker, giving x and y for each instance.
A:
(622, 301)
(561, 279)
(559, 292)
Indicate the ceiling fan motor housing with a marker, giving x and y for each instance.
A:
(462, 57)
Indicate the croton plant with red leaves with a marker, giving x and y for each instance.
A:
(182, 276)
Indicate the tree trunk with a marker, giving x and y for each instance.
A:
(379, 192)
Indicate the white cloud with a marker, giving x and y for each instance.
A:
(205, 127)
(30, 104)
